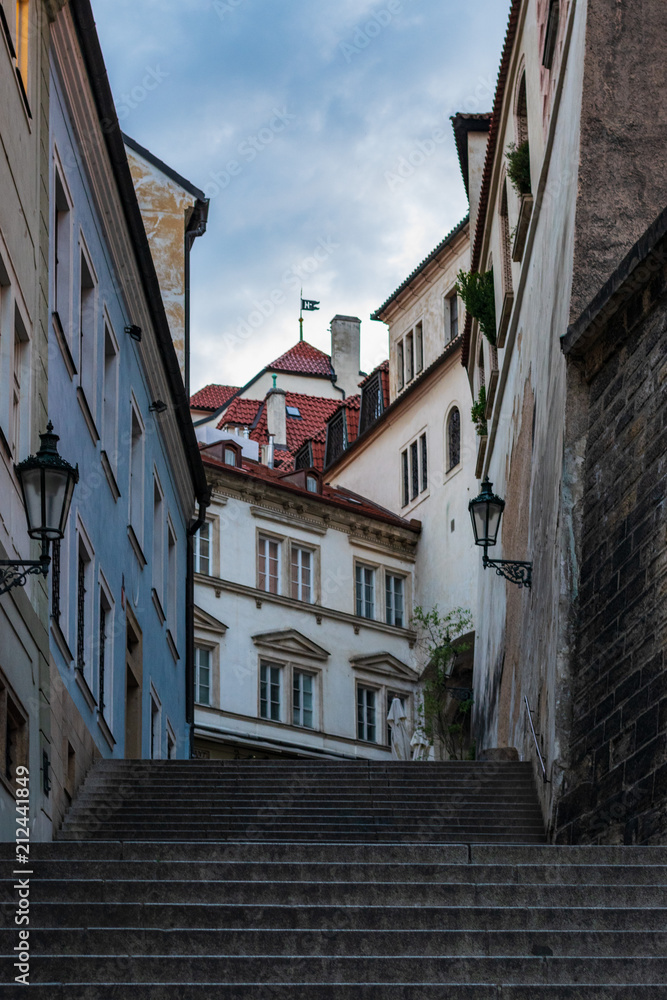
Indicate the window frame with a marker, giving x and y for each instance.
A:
(364, 688)
(373, 568)
(203, 648)
(414, 478)
(298, 671)
(197, 549)
(295, 545)
(393, 575)
(452, 313)
(266, 664)
(279, 540)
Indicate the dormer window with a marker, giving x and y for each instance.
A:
(232, 454)
(304, 457)
(372, 402)
(336, 437)
(312, 484)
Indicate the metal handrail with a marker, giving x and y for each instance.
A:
(532, 729)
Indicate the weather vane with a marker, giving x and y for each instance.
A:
(307, 305)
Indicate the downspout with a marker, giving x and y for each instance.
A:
(195, 226)
(190, 624)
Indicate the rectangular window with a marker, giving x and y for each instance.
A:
(395, 600)
(84, 611)
(424, 458)
(409, 358)
(302, 574)
(302, 700)
(366, 720)
(110, 397)
(87, 334)
(269, 565)
(172, 581)
(158, 541)
(414, 470)
(13, 734)
(156, 729)
(400, 366)
(62, 264)
(405, 478)
(419, 346)
(104, 657)
(137, 478)
(22, 38)
(203, 675)
(203, 549)
(269, 692)
(17, 380)
(365, 591)
(451, 318)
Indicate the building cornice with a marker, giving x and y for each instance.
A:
(316, 611)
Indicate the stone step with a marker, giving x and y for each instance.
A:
(306, 893)
(454, 837)
(339, 991)
(280, 850)
(195, 915)
(370, 969)
(351, 871)
(186, 942)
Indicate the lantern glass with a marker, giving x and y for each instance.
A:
(31, 481)
(47, 482)
(485, 512)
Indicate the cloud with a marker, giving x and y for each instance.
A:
(352, 114)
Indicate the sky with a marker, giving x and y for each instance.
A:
(320, 132)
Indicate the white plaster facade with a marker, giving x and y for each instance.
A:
(242, 626)
(447, 566)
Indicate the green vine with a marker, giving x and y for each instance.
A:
(478, 412)
(441, 642)
(477, 291)
(518, 166)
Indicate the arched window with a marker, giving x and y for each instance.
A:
(505, 245)
(521, 113)
(453, 439)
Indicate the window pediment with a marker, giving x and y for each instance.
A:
(385, 664)
(202, 620)
(290, 642)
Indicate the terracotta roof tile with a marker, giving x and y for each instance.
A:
(341, 498)
(303, 359)
(314, 413)
(241, 412)
(212, 397)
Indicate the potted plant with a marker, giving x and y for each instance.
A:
(477, 291)
(518, 166)
(478, 412)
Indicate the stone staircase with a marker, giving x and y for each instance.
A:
(331, 881)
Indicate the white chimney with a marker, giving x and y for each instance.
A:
(346, 352)
(276, 414)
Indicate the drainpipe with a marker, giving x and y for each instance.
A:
(190, 623)
(196, 226)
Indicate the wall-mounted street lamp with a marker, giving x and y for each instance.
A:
(486, 511)
(47, 484)
(157, 406)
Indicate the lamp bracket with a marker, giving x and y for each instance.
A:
(15, 572)
(513, 570)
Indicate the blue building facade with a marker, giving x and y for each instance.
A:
(120, 609)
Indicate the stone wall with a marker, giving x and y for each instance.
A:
(616, 781)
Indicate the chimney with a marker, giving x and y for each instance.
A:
(346, 352)
(276, 414)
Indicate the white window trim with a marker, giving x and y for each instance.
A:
(375, 568)
(280, 540)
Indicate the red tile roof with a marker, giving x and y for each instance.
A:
(303, 359)
(314, 410)
(212, 397)
(341, 498)
(242, 412)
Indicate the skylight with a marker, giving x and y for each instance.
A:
(293, 411)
